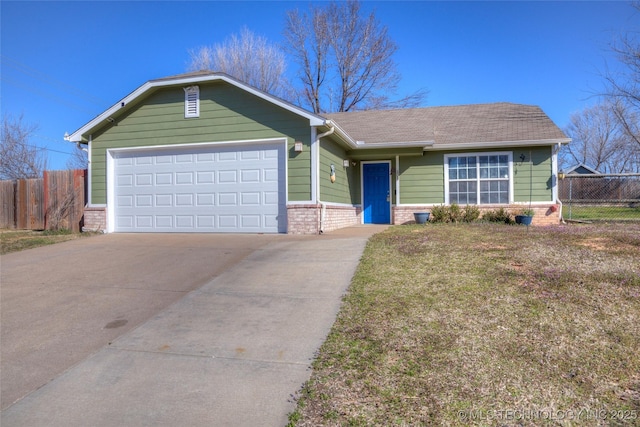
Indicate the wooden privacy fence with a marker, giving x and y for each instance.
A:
(55, 201)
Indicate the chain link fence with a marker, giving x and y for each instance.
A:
(600, 197)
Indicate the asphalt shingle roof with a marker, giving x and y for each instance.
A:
(450, 125)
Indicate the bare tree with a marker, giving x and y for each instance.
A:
(308, 44)
(79, 159)
(247, 57)
(345, 59)
(623, 87)
(599, 141)
(18, 157)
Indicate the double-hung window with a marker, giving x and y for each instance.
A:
(478, 178)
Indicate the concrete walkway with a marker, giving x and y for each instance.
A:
(230, 353)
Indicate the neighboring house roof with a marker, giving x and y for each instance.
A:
(445, 127)
(581, 169)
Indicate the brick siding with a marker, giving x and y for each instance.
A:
(95, 219)
(305, 219)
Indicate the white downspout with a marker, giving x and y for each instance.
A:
(323, 207)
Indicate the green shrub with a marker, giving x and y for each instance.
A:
(498, 215)
(470, 213)
(440, 214)
(454, 213)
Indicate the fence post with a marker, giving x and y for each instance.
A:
(570, 189)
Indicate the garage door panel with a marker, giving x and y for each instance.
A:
(227, 156)
(184, 178)
(228, 177)
(224, 189)
(205, 157)
(251, 221)
(164, 221)
(144, 200)
(144, 221)
(124, 180)
(250, 175)
(228, 222)
(204, 199)
(184, 221)
(250, 199)
(144, 179)
(124, 221)
(184, 158)
(143, 160)
(205, 177)
(164, 200)
(184, 199)
(206, 221)
(164, 178)
(124, 201)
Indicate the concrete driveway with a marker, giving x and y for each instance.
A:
(168, 329)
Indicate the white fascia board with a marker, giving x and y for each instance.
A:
(76, 136)
(341, 133)
(498, 144)
(411, 144)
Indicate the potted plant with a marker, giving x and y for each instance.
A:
(525, 216)
(421, 217)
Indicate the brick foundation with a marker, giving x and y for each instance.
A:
(545, 214)
(95, 219)
(305, 219)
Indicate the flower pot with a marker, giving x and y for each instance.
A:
(421, 217)
(524, 219)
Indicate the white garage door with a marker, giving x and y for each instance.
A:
(236, 189)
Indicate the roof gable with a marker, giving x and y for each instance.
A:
(180, 80)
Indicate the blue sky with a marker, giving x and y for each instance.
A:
(63, 63)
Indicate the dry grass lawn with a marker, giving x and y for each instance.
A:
(18, 240)
(485, 324)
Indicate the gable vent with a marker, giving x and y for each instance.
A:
(192, 101)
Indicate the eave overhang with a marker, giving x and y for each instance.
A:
(497, 144)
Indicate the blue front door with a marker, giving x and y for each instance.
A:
(376, 199)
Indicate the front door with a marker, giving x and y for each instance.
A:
(376, 197)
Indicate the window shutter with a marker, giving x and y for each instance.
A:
(191, 101)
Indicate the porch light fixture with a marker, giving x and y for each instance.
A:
(297, 147)
(345, 163)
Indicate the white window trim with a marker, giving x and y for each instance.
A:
(191, 97)
(509, 155)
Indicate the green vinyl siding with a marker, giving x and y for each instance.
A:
(226, 114)
(422, 178)
(346, 188)
(540, 171)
